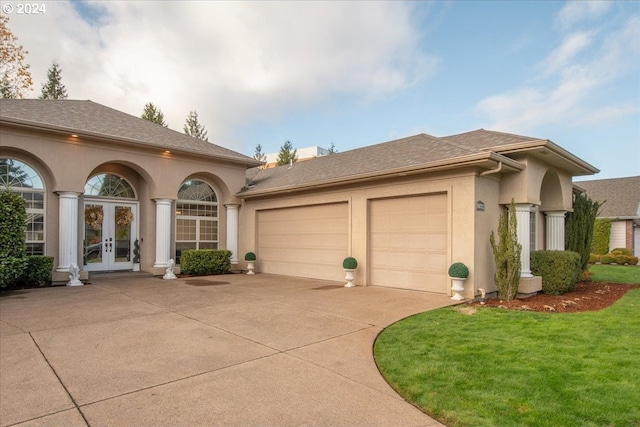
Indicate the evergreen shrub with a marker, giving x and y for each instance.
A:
(560, 270)
(250, 256)
(205, 261)
(593, 258)
(349, 263)
(621, 251)
(38, 270)
(458, 270)
(13, 249)
(607, 259)
(601, 234)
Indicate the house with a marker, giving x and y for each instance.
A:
(621, 198)
(98, 180)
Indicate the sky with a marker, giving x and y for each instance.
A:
(354, 74)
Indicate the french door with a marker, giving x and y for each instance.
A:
(110, 228)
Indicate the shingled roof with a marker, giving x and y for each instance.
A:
(621, 196)
(89, 119)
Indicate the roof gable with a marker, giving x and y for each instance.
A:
(95, 120)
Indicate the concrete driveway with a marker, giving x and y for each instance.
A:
(235, 350)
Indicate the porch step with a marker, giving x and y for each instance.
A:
(114, 275)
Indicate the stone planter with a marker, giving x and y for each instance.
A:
(349, 276)
(457, 286)
(250, 267)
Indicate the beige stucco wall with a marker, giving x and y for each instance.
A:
(458, 185)
(66, 163)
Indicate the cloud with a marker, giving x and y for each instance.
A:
(575, 11)
(233, 62)
(569, 91)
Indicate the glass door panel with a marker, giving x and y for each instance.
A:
(108, 236)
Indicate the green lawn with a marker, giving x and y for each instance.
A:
(496, 367)
(615, 273)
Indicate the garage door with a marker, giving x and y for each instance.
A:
(307, 241)
(408, 242)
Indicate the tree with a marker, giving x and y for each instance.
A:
(153, 114)
(332, 149)
(54, 89)
(287, 154)
(259, 155)
(506, 254)
(579, 227)
(16, 78)
(193, 127)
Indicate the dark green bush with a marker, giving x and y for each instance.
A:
(601, 234)
(205, 261)
(560, 270)
(250, 256)
(350, 263)
(458, 270)
(11, 271)
(38, 271)
(13, 225)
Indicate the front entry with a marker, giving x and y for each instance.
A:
(110, 229)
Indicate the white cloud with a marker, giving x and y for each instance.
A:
(568, 92)
(231, 61)
(578, 10)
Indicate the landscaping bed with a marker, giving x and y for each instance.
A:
(587, 296)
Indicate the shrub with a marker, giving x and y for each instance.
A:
(136, 252)
(593, 258)
(38, 270)
(560, 270)
(458, 270)
(579, 227)
(205, 261)
(633, 260)
(607, 259)
(250, 256)
(11, 270)
(506, 254)
(350, 263)
(621, 251)
(601, 234)
(13, 225)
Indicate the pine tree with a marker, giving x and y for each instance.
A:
(54, 89)
(506, 254)
(287, 154)
(16, 78)
(193, 127)
(153, 114)
(259, 155)
(332, 149)
(579, 227)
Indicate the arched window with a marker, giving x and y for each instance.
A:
(22, 179)
(107, 185)
(196, 217)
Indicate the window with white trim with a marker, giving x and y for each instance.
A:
(22, 179)
(196, 217)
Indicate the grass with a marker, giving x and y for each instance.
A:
(615, 273)
(509, 368)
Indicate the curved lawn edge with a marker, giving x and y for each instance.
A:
(488, 366)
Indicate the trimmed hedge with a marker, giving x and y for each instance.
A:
(11, 271)
(560, 270)
(203, 262)
(38, 271)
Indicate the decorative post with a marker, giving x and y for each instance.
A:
(232, 231)
(163, 232)
(523, 212)
(555, 230)
(68, 230)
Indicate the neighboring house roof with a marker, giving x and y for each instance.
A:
(415, 154)
(621, 196)
(89, 119)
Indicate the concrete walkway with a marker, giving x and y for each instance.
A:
(232, 350)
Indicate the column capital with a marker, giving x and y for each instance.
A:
(523, 207)
(555, 213)
(163, 201)
(68, 194)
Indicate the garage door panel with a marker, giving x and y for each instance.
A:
(307, 241)
(408, 242)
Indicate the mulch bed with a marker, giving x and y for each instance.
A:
(587, 296)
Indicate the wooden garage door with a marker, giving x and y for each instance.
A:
(307, 241)
(408, 242)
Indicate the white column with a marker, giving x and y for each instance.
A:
(68, 230)
(232, 231)
(163, 232)
(523, 212)
(555, 230)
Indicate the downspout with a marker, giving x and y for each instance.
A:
(490, 171)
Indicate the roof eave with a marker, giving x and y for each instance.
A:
(25, 124)
(476, 159)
